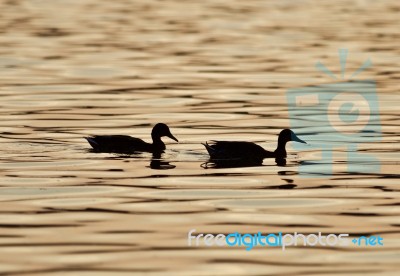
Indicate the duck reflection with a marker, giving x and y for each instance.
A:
(157, 163)
(237, 163)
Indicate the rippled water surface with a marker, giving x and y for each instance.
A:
(210, 70)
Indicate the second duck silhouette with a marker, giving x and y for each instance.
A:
(248, 151)
(128, 144)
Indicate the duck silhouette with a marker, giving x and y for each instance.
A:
(248, 152)
(128, 144)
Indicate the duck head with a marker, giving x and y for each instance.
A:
(285, 136)
(161, 130)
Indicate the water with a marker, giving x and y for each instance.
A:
(210, 70)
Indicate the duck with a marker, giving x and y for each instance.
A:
(248, 151)
(128, 144)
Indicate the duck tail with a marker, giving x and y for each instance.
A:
(208, 148)
(92, 142)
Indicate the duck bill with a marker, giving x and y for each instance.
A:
(297, 139)
(172, 137)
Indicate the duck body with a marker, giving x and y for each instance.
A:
(236, 150)
(121, 144)
(248, 151)
(128, 144)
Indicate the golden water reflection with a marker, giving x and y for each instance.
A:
(210, 70)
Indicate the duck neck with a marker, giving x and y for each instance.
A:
(158, 144)
(280, 151)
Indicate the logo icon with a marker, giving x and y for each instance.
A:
(336, 118)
